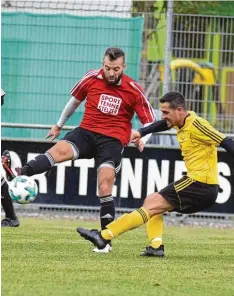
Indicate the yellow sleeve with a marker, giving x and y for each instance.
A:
(205, 132)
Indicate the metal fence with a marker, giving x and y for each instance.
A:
(201, 54)
(116, 8)
(202, 66)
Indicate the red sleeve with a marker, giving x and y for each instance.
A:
(143, 109)
(80, 90)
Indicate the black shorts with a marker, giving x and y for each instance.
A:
(189, 196)
(93, 145)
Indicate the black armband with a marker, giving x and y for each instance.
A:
(228, 145)
(155, 127)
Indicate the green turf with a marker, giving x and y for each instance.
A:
(47, 257)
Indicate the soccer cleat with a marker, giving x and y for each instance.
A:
(107, 249)
(94, 236)
(7, 222)
(6, 163)
(153, 252)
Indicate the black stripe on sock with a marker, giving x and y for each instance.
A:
(143, 215)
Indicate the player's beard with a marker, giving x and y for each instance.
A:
(114, 82)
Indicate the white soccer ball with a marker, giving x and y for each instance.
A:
(23, 189)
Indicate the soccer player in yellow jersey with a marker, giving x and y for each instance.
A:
(194, 192)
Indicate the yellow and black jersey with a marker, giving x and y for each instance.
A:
(198, 141)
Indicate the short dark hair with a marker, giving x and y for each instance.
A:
(113, 53)
(175, 99)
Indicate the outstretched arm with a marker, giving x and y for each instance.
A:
(79, 94)
(156, 126)
(68, 110)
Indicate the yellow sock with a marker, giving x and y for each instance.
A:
(155, 230)
(125, 223)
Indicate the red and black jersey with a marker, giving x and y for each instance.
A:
(109, 108)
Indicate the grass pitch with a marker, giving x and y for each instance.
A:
(47, 257)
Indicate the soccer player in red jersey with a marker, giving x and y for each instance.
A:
(111, 98)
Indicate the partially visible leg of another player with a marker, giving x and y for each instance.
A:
(154, 206)
(59, 152)
(10, 219)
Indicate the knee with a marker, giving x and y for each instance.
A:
(156, 204)
(105, 187)
(155, 201)
(150, 199)
(62, 148)
(61, 151)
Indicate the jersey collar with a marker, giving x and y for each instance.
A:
(189, 118)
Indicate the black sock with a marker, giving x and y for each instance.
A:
(7, 202)
(40, 164)
(107, 211)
